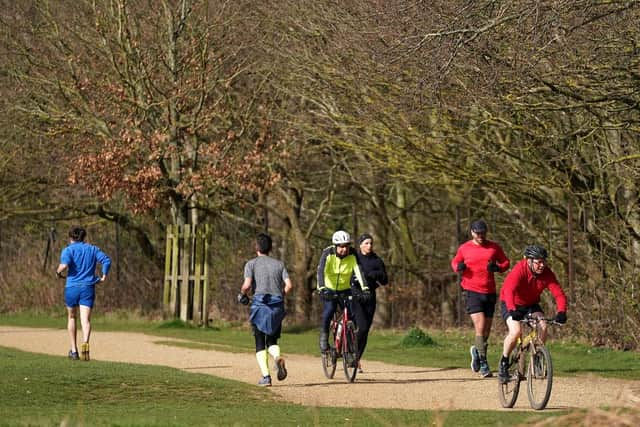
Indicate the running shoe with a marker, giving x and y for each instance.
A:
(265, 381)
(484, 368)
(281, 369)
(475, 359)
(84, 350)
(73, 355)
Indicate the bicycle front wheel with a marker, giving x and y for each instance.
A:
(329, 362)
(350, 352)
(330, 357)
(509, 390)
(540, 377)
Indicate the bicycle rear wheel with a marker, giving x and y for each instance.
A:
(350, 353)
(539, 377)
(509, 391)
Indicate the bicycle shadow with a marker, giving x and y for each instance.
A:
(400, 371)
(579, 371)
(194, 368)
(389, 381)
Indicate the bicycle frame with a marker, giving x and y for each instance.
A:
(532, 338)
(338, 325)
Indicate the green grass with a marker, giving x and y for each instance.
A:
(46, 390)
(450, 349)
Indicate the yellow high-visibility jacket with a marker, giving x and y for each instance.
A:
(335, 273)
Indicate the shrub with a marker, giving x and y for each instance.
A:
(417, 337)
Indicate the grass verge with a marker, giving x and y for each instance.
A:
(39, 390)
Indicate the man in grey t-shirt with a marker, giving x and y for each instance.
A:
(269, 280)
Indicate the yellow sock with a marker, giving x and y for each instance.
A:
(263, 362)
(274, 351)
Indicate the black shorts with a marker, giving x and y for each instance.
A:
(475, 302)
(524, 309)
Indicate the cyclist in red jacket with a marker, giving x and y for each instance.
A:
(520, 296)
(477, 260)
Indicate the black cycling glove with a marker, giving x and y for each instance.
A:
(365, 296)
(516, 315)
(326, 294)
(492, 267)
(243, 299)
(561, 317)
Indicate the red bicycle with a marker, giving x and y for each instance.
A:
(343, 343)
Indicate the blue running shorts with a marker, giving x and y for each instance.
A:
(80, 295)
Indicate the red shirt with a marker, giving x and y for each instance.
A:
(523, 288)
(476, 257)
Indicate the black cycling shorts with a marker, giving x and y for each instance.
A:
(475, 302)
(524, 309)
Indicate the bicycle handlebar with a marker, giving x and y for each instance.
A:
(534, 319)
(333, 295)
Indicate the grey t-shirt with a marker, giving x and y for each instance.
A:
(267, 275)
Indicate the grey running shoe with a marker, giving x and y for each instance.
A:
(73, 355)
(280, 367)
(265, 381)
(484, 368)
(475, 359)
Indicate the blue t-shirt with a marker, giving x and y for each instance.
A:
(81, 259)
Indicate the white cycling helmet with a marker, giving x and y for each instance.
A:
(341, 238)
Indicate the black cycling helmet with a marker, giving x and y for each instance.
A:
(535, 252)
(479, 226)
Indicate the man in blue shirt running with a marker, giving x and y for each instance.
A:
(80, 259)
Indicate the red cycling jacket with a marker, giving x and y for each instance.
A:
(522, 288)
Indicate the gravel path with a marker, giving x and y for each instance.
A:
(382, 385)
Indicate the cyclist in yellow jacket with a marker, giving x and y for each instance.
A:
(337, 264)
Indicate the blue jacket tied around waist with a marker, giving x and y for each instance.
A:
(267, 313)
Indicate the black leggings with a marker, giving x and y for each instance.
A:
(264, 341)
(363, 316)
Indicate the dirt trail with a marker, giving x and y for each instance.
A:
(381, 385)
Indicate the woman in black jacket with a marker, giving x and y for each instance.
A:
(375, 274)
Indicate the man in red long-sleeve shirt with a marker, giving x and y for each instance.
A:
(476, 261)
(520, 296)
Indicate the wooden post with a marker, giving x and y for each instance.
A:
(175, 256)
(185, 257)
(166, 292)
(197, 277)
(205, 277)
(186, 270)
